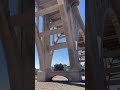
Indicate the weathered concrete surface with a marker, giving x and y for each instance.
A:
(60, 19)
(102, 43)
(41, 76)
(71, 75)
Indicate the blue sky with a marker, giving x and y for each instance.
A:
(61, 55)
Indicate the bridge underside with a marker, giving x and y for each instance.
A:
(61, 19)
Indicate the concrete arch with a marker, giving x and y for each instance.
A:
(107, 12)
(113, 16)
(61, 18)
(54, 42)
(58, 37)
(114, 19)
(71, 75)
(50, 78)
(110, 41)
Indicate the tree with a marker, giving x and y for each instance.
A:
(66, 68)
(80, 65)
(83, 69)
(58, 67)
(83, 66)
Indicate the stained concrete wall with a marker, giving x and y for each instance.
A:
(4, 80)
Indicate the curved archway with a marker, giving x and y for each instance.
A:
(110, 43)
(110, 34)
(58, 26)
(60, 56)
(58, 78)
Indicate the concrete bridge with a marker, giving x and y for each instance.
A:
(70, 75)
(61, 19)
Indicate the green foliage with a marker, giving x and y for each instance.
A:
(59, 67)
(83, 70)
(83, 67)
(66, 68)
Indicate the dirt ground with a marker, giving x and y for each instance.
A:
(59, 83)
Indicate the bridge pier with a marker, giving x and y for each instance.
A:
(41, 76)
(75, 76)
(71, 75)
(61, 19)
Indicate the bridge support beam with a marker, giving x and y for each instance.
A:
(73, 76)
(61, 23)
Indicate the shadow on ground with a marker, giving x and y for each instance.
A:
(80, 84)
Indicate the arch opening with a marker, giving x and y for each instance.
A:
(40, 23)
(60, 57)
(110, 35)
(59, 78)
(111, 46)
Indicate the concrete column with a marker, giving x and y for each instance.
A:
(40, 50)
(69, 37)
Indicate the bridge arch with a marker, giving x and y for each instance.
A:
(57, 21)
(110, 20)
(110, 13)
(63, 78)
(110, 41)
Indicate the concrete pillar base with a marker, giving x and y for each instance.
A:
(75, 76)
(41, 76)
(72, 75)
